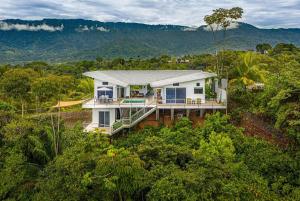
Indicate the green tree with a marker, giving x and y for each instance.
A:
(16, 84)
(222, 19)
(263, 48)
(86, 86)
(247, 71)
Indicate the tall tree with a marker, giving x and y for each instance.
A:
(16, 84)
(222, 19)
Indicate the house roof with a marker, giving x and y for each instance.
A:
(155, 78)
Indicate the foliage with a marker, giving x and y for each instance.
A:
(16, 83)
(263, 48)
(214, 161)
(247, 71)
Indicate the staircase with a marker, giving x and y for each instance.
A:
(133, 120)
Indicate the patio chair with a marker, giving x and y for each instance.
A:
(188, 101)
(198, 101)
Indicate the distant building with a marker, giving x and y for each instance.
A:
(181, 61)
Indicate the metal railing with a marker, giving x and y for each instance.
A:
(152, 101)
(133, 118)
(118, 124)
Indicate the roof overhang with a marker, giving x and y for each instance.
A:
(185, 78)
(97, 75)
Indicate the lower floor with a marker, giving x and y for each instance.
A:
(112, 120)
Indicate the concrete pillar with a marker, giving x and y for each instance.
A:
(202, 111)
(172, 114)
(157, 114)
(188, 112)
(127, 91)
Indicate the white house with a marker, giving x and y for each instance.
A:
(123, 98)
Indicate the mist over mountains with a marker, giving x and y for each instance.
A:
(59, 40)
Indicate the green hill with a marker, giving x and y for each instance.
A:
(59, 40)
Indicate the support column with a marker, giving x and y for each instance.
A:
(130, 115)
(188, 112)
(157, 114)
(172, 114)
(202, 111)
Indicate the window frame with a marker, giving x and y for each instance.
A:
(198, 88)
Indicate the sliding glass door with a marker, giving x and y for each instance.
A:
(175, 95)
(104, 119)
(170, 95)
(180, 95)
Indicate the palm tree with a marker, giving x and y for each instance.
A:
(248, 71)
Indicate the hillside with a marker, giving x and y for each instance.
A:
(60, 40)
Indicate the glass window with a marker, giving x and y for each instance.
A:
(170, 95)
(180, 95)
(176, 84)
(105, 93)
(198, 90)
(198, 84)
(175, 95)
(104, 119)
(104, 83)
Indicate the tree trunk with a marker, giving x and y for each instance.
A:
(120, 196)
(22, 109)
(36, 104)
(54, 135)
(58, 127)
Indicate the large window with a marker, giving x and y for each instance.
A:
(198, 90)
(105, 92)
(175, 95)
(170, 95)
(104, 119)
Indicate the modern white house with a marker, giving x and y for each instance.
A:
(123, 98)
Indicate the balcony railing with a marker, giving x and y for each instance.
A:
(154, 101)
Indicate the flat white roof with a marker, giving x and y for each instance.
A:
(155, 78)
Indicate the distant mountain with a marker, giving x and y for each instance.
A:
(59, 40)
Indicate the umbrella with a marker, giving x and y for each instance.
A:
(104, 89)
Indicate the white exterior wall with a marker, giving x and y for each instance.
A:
(98, 83)
(127, 91)
(189, 89)
(95, 118)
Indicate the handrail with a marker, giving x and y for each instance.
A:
(129, 121)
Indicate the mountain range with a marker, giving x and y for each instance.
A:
(60, 40)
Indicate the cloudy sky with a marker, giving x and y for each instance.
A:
(262, 13)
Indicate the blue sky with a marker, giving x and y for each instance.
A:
(261, 13)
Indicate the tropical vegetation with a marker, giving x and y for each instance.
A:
(44, 158)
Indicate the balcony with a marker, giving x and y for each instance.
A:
(187, 103)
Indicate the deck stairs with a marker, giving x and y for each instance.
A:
(133, 120)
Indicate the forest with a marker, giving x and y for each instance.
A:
(44, 158)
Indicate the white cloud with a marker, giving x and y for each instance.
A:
(262, 13)
(215, 27)
(194, 28)
(91, 28)
(102, 29)
(4, 26)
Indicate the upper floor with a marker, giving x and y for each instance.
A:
(162, 88)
